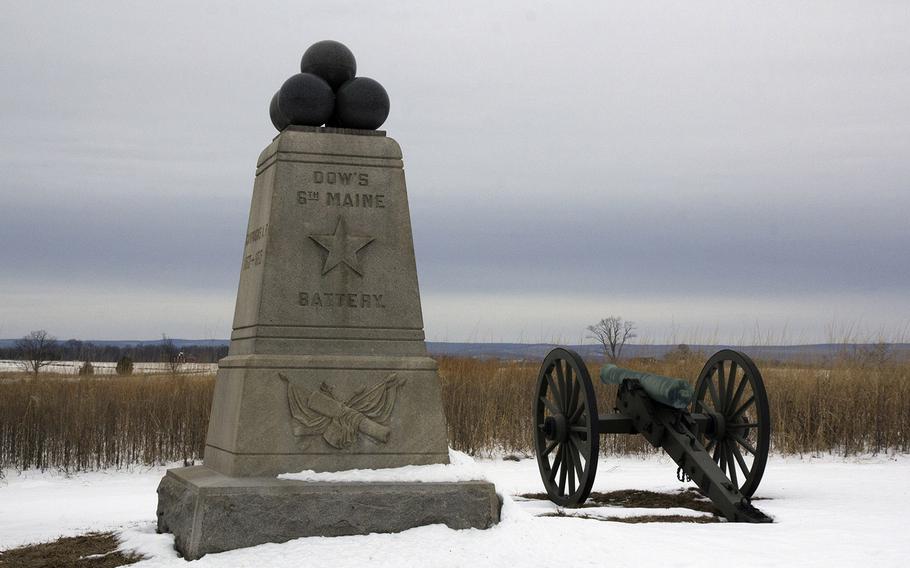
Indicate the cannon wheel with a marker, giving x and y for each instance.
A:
(731, 387)
(565, 428)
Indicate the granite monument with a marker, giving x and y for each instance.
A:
(327, 368)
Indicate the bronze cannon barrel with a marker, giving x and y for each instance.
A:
(665, 390)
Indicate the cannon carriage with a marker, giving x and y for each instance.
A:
(718, 432)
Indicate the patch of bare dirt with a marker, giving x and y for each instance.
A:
(92, 550)
(635, 498)
(640, 518)
(689, 499)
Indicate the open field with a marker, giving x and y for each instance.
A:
(850, 407)
(100, 422)
(110, 368)
(59, 421)
(828, 511)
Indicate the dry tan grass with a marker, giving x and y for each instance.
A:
(92, 423)
(850, 407)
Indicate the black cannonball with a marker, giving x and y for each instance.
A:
(333, 121)
(362, 103)
(331, 60)
(278, 119)
(306, 100)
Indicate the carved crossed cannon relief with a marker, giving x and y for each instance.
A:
(367, 412)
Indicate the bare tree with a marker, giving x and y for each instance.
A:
(36, 350)
(169, 354)
(613, 333)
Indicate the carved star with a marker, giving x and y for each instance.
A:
(342, 247)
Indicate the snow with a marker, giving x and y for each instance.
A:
(828, 511)
(462, 467)
(110, 368)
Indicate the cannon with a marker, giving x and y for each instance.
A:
(718, 432)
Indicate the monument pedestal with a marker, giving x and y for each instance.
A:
(327, 368)
(211, 512)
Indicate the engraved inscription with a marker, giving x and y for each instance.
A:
(254, 258)
(343, 199)
(341, 178)
(368, 200)
(305, 196)
(341, 247)
(367, 412)
(336, 300)
(257, 234)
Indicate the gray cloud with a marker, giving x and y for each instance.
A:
(656, 161)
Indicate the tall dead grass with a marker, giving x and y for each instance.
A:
(851, 406)
(92, 423)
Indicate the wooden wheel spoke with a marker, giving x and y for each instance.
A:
(721, 401)
(713, 391)
(579, 465)
(731, 465)
(711, 444)
(561, 381)
(549, 448)
(716, 455)
(723, 457)
(583, 445)
(573, 398)
(578, 451)
(578, 412)
(552, 384)
(578, 428)
(554, 410)
(731, 381)
(570, 458)
(739, 391)
(555, 469)
(741, 425)
(744, 443)
(741, 461)
(742, 409)
(563, 470)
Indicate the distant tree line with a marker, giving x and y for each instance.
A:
(75, 350)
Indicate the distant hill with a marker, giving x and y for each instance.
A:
(813, 352)
(7, 343)
(534, 351)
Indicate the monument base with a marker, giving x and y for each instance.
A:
(210, 512)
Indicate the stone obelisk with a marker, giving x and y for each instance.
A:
(327, 368)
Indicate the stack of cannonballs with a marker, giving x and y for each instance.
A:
(327, 92)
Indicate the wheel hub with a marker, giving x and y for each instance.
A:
(556, 428)
(719, 425)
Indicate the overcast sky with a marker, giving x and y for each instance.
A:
(716, 171)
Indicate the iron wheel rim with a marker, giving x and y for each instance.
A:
(731, 386)
(567, 462)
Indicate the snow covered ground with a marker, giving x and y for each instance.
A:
(110, 368)
(828, 512)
